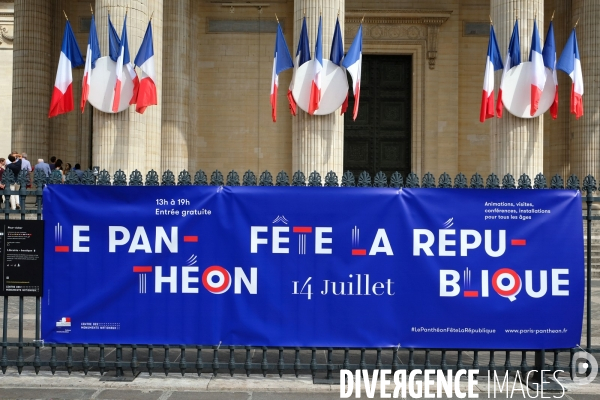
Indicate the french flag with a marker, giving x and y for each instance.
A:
(513, 58)
(302, 56)
(114, 43)
(353, 64)
(549, 55)
(122, 59)
(337, 54)
(282, 60)
(315, 88)
(538, 78)
(146, 93)
(570, 63)
(93, 53)
(70, 57)
(493, 63)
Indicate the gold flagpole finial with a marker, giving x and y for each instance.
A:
(276, 18)
(91, 9)
(576, 23)
(151, 15)
(552, 19)
(491, 22)
(338, 13)
(363, 19)
(65, 15)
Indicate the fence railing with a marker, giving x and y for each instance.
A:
(215, 359)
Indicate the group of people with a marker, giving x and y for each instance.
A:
(18, 161)
(57, 165)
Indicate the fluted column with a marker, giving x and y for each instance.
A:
(175, 116)
(556, 132)
(32, 77)
(517, 144)
(318, 141)
(585, 142)
(128, 140)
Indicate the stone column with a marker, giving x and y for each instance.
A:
(517, 144)
(175, 116)
(585, 132)
(556, 135)
(128, 140)
(33, 78)
(318, 141)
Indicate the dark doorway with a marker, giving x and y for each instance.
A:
(380, 138)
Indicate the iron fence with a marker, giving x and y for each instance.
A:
(214, 359)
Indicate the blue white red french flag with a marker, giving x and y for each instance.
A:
(70, 57)
(93, 53)
(302, 56)
(353, 64)
(493, 63)
(513, 58)
(146, 94)
(538, 78)
(114, 43)
(337, 54)
(570, 63)
(282, 60)
(123, 60)
(315, 88)
(549, 55)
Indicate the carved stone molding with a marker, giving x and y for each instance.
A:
(394, 25)
(6, 35)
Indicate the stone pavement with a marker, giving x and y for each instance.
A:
(159, 387)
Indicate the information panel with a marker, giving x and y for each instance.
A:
(287, 266)
(22, 248)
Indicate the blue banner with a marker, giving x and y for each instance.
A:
(339, 267)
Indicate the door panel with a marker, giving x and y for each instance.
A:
(380, 138)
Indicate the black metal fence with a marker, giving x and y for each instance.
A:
(214, 358)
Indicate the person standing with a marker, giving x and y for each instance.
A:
(78, 171)
(26, 165)
(2, 168)
(52, 161)
(58, 166)
(67, 169)
(42, 166)
(15, 167)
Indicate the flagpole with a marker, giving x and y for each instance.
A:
(65, 15)
(576, 23)
(91, 9)
(277, 18)
(552, 19)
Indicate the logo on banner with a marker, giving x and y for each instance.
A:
(64, 325)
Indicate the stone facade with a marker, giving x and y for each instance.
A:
(214, 64)
(6, 55)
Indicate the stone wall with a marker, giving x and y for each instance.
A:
(230, 111)
(219, 114)
(6, 55)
